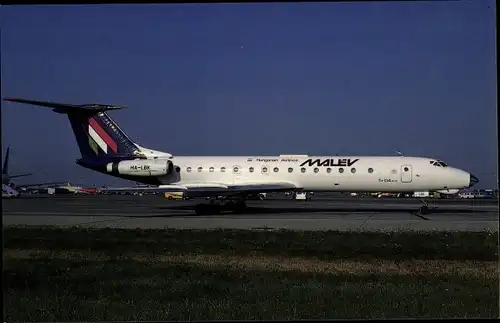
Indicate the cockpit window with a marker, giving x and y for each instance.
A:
(438, 163)
(442, 163)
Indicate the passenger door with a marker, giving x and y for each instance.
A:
(406, 174)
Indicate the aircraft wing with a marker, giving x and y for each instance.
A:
(20, 175)
(210, 189)
(39, 184)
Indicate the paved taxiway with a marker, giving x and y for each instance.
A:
(322, 213)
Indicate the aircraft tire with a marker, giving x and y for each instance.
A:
(423, 210)
(240, 207)
(200, 209)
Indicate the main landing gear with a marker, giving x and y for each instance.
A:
(217, 206)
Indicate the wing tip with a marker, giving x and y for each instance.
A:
(11, 99)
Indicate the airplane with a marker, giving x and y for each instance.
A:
(5, 170)
(79, 189)
(7, 178)
(9, 192)
(107, 149)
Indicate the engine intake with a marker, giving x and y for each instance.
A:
(156, 167)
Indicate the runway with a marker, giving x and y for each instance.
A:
(322, 213)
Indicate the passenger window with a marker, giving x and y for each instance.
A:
(264, 169)
(276, 169)
(341, 170)
(406, 169)
(235, 169)
(290, 169)
(223, 169)
(188, 169)
(353, 170)
(316, 169)
(303, 170)
(328, 170)
(200, 169)
(251, 169)
(370, 170)
(177, 169)
(211, 169)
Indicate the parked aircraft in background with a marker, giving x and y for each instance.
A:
(9, 192)
(7, 178)
(105, 148)
(79, 190)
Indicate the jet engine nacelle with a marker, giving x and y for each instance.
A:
(144, 167)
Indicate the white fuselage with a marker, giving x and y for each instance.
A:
(321, 173)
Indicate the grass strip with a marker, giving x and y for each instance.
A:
(325, 245)
(80, 290)
(73, 274)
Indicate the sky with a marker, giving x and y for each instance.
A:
(347, 78)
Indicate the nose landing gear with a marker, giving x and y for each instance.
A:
(424, 209)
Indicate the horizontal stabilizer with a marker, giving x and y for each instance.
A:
(40, 184)
(67, 108)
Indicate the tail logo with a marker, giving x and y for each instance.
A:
(98, 138)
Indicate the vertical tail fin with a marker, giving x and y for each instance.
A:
(5, 168)
(98, 136)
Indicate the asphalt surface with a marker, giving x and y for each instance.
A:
(321, 213)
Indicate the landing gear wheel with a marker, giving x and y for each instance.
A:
(239, 207)
(199, 209)
(424, 210)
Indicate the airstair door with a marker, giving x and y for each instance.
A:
(406, 174)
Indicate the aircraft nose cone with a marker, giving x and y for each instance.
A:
(473, 180)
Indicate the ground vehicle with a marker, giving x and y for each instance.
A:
(422, 194)
(303, 196)
(174, 196)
